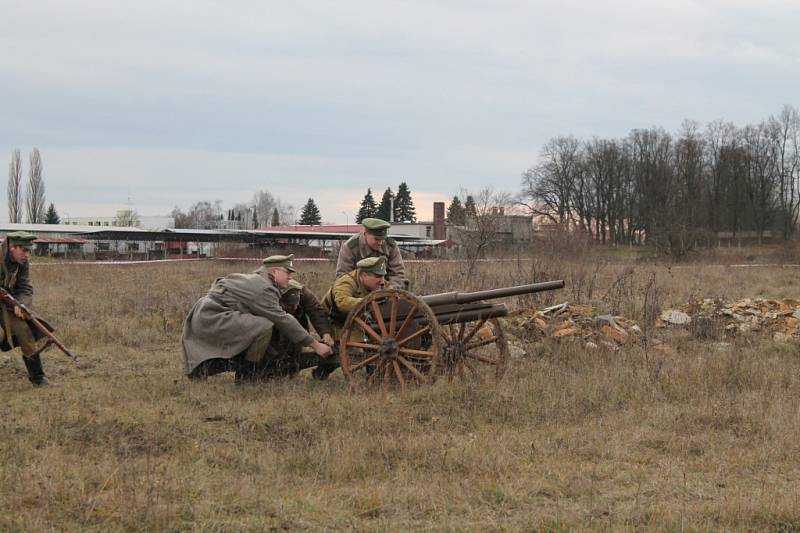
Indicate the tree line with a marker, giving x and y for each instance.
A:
(392, 207)
(264, 209)
(28, 203)
(673, 189)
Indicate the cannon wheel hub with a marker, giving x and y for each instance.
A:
(389, 348)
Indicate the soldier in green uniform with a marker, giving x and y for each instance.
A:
(373, 241)
(15, 278)
(301, 303)
(347, 292)
(231, 327)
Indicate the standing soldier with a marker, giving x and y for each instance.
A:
(15, 278)
(372, 241)
(231, 327)
(347, 292)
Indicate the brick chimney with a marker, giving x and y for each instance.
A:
(438, 221)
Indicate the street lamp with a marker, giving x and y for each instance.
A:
(346, 221)
(295, 217)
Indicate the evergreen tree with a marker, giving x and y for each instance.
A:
(310, 215)
(51, 217)
(469, 207)
(385, 207)
(255, 219)
(456, 213)
(276, 217)
(404, 205)
(368, 208)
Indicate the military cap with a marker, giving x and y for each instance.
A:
(376, 227)
(275, 261)
(373, 265)
(291, 294)
(20, 238)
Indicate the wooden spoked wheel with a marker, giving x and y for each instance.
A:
(391, 339)
(473, 350)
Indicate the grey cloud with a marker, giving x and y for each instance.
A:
(445, 92)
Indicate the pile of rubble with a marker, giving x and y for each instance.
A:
(706, 318)
(565, 321)
(778, 318)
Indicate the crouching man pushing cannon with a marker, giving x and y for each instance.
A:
(347, 292)
(301, 303)
(231, 327)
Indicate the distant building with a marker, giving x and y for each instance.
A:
(151, 223)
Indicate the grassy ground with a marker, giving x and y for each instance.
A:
(701, 437)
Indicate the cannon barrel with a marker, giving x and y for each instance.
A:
(457, 298)
(485, 313)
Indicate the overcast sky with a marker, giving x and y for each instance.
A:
(169, 102)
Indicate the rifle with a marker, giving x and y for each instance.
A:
(27, 315)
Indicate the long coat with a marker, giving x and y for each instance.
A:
(16, 279)
(355, 249)
(237, 309)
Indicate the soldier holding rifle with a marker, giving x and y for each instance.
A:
(15, 279)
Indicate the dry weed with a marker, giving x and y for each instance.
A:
(572, 439)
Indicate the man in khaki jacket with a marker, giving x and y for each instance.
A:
(230, 328)
(347, 292)
(373, 241)
(15, 278)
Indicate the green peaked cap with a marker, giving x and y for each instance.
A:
(373, 265)
(20, 238)
(376, 227)
(284, 261)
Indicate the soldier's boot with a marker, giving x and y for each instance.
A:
(35, 370)
(246, 372)
(323, 370)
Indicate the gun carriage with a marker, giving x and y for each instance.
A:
(393, 337)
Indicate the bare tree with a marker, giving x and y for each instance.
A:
(549, 187)
(483, 229)
(35, 196)
(760, 179)
(719, 139)
(784, 131)
(265, 203)
(14, 190)
(128, 218)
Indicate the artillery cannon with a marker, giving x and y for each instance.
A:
(394, 337)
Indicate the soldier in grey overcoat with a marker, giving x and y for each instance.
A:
(373, 241)
(230, 328)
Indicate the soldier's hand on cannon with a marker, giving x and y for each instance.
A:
(322, 350)
(327, 339)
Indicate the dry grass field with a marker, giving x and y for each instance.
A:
(694, 439)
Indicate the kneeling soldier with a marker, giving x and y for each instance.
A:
(347, 292)
(301, 303)
(231, 327)
(15, 278)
